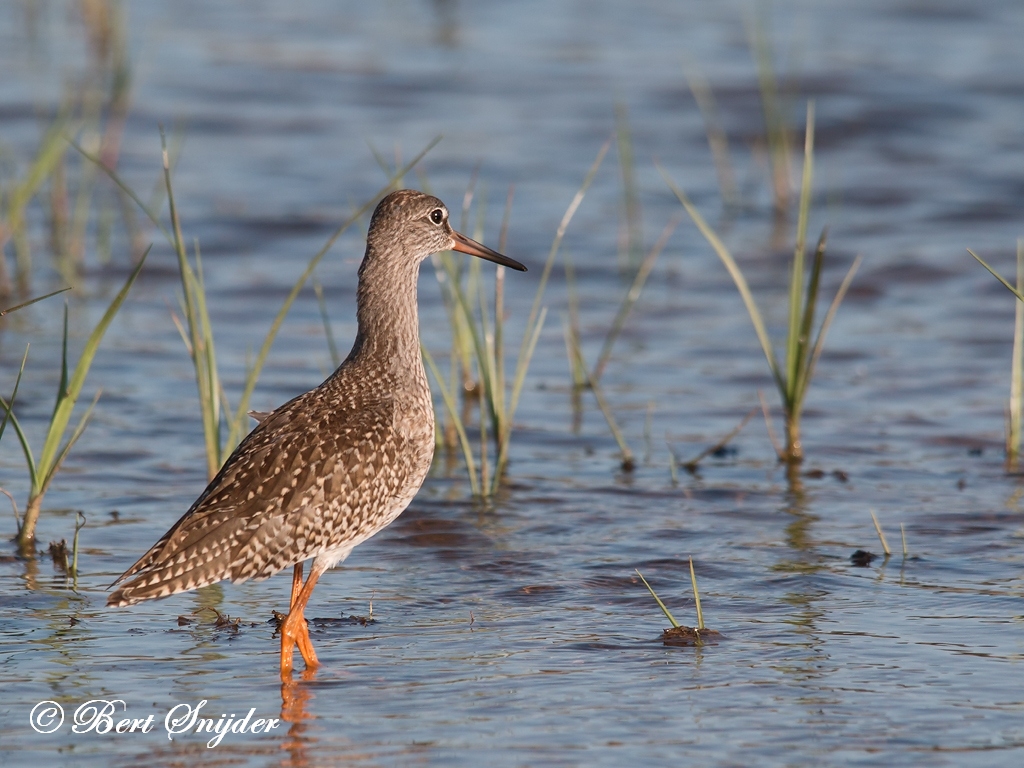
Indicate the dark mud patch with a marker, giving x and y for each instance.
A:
(321, 622)
(690, 636)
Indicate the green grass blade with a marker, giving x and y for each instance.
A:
(14, 393)
(484, 468)
(114, 177)
(63, 413)
(485, 355)
(499, 318)
(382, 162)
(467, 198)
(51, 150)
(718, 141)
(198, 330)
(772, 103)
(737, 278)
(535, 320)
(181, 332)
(631, 241)
(572, 345)
(205, 359)
(8, 407)
(631, 297)
(24, 304)
(483, 347)
(577, 365)
(804, 346)
(664, 609)
(332, 347)
(577, 360)
(453, 413)
(496, 352)
(62, 387)
(556, 244)
(517, 388)
(77, 433)
(524, 363)
(696, 597)
(826, 322)
(796, 278)
(628, 459)
(468, 330)
(997, 276)
(25, 447)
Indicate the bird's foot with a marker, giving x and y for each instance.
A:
(295, 631)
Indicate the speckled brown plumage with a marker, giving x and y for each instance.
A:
(333, 466)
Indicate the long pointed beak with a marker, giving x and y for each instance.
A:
(473, 248)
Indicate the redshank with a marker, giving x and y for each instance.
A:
(329, 469)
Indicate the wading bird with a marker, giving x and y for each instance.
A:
(329, 469)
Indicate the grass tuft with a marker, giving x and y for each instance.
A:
(680, 635)
(793, 376)
(478, 341)
(55, 448)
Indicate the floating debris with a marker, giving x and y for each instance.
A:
(862, 559)
(59, 553)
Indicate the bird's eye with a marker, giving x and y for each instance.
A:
(437, 215)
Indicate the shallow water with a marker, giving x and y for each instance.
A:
(520, 634)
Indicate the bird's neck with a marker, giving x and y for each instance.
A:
(389, 333)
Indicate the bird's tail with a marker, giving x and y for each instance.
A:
(161, 582)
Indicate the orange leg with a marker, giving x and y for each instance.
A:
(296, 584)
(303, 641)
(294, 630)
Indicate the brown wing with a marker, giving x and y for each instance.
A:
(297, 484)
